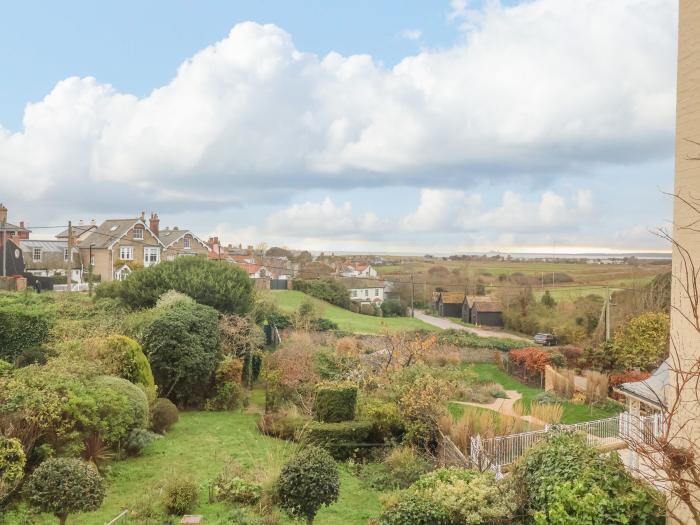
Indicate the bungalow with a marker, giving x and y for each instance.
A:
(366, 290)
(449, 304)
(118, 246)
(482, 310)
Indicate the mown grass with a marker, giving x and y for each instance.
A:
(290, 300)
(198, 446)
(572, 413)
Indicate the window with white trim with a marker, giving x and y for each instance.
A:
(366, 292)
(186, 243)
(36, 255)
(138, 234)
(376, 292)
(92, 260)
(126, 253)
(151, 256)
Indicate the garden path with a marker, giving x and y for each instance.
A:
(447, 324)
(505, 407)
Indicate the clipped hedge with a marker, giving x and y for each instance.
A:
(335, 402)
(22, 327)
(339, 439)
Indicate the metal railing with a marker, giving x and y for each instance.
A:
(499, 451)
(122, 517)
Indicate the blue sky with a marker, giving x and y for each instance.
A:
(381, 126)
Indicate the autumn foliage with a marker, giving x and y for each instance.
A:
(530, 362)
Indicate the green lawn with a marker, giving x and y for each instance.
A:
(289, 301)
(198, 445)
(572, 413)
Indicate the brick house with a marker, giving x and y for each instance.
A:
(118, 246)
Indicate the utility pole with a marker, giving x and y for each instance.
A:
(607, 315)
(413, 292)
(4, 249)
(90, 271)
(69, 259)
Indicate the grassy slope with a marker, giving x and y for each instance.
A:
(572, 413)
(199, 445)
(290, 301)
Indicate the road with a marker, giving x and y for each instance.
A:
(447, 324)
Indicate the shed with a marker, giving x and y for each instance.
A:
(487, 312)
(450, 304)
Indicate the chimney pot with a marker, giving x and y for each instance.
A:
(154, 224)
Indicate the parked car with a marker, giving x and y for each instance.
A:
(545, 339)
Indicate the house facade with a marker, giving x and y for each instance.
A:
(46, 258)
(179, 243)
(366, 291)
(119, 243)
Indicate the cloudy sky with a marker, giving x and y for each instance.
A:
(414, 126)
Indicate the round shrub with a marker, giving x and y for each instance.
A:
(227, 396)
(406, 507)
(307, 482)
(164, 414)
(135, 412)
(127, 360)
(63, 486)
(5, 368)
(335, 402)
(137, 440)
(180, 496)
(182, 344)
(12, 462)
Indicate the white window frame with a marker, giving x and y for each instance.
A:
(186, 243)
(36, 255)
(126, 253)
(138, 234)
(92, 261)
(376, 292)
(151, 255)
(366, 292)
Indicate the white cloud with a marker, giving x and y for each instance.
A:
(546, 87)
(320, 219)
(412, 34)
(450, 211)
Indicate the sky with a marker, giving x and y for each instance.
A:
(397, 126)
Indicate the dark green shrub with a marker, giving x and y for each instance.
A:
(180, 495)
(227, 396)
(340, 439)
(386, 419)
(323, 325)
(335, 402)
(63, 486)
(325, 289)
(134, 411)
(225, 287)
(12, 462)
(182, 345)
(137, 440)
(402, 508)
(108, 290)
(37, 355)
(164, 414)
(309, 481)
(392, 308)
(22, 327)
(405, 466)
(5, 368)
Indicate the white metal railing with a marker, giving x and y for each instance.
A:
(122, 517)
(498, 451)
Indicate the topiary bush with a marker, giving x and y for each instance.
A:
(21, 327)
(309, 481)
(182, 345)
(180, 495)
(335, 402)
(63, 486)
(124, 357)
(339, 439)
(12, 462)
(164, 414)
(133, 413)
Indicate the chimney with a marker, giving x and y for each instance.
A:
(250, 250)
(3, 213)
(143, 216)
(154, 224)
(21, 224)
(93, 222)
(82, 222)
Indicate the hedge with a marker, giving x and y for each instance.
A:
(22, 327)
(335, 402)
(339, 439)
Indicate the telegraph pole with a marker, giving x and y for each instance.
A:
(413, 292)
(607, 316)
(69, 260)
(4, 249)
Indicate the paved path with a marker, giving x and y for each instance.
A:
(442, 322)
(505, 407)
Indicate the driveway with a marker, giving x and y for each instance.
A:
(447, 324)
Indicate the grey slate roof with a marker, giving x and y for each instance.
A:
(653, 389)
(109, 232)
(45, 245)
(77, 231)
(9, 227)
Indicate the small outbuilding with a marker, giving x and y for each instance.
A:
(449, 304)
